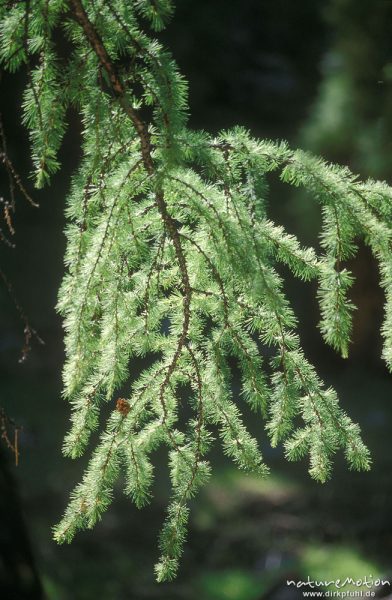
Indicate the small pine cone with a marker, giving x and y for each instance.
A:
(122, 406)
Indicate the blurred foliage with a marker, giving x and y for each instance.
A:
(351, 119)
(230, 585)
(330, 563)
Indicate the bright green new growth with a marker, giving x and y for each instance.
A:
(171, 256)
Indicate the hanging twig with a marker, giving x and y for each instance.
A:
(29, 331)
(11, 439)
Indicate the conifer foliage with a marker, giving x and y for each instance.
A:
(171, 256)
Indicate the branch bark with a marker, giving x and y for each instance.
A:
(141, 127)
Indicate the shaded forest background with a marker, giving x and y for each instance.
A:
(320, 75)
